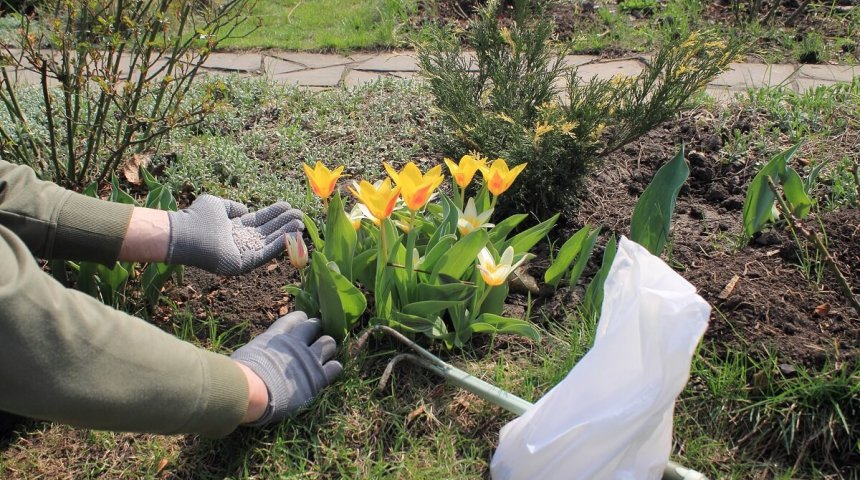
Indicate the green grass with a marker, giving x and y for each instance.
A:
(323, 24)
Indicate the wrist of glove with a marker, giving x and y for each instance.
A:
(222, 237)
(294, 362)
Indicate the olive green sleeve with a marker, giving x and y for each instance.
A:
(57, 223)
(66, 357)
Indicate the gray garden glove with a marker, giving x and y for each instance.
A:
(220, 236)
(294, 362)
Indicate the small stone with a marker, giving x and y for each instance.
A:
(697, 213)
(787, 370)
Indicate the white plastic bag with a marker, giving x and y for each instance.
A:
(611, 417)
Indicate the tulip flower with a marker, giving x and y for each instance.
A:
(356, 214)
(379, 199)
(498, 177)
(469, 219)
(416, 188)
(297, 251)
(465, 171)
(322, 179)
(493, 273)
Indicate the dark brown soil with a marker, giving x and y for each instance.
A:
(763, 302)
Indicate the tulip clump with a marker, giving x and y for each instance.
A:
(433, 267)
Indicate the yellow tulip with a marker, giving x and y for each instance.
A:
(322, 179)
(416, 188)
(493, 273)
(297, 251)
(498, 177)
(379, 199)
(469, 219)
(465, 171)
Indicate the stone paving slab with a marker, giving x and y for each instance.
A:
(234, 62)
(833, 73)
(355, 78)
(312, 60)
(577, 60)
(607, 70)
(277, 66)
(754, 75)
(390, 62)
(319, 77)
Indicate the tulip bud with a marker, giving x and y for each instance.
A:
(297, 251)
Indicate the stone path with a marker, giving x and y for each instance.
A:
(325, 71)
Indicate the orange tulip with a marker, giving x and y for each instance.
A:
(322, 179)
(416, 188)
(498, 177)
(379, 199)
(465, 171)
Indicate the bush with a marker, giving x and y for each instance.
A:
(505, 102)
(124, 70)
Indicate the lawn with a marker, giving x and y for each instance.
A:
(323, 25)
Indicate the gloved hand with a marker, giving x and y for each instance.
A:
(294, 362)
(220, 236)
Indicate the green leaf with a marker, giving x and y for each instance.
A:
(652, 216)
(304, 301)
(341, 304)
(340, 237)
(758, 204)
(494, 303)
(795, 194)
(584, 257)
(159, 196)
(489, 323)
(153, 278)
(566, 255)
(461, 256)
(500, 232)
(457, 292)
(525, 240)
(433, 328)
(428, 308)
(442, 245)
(363, 267)
(92, 190)
(448, 225)
(594, 293)
(117, 194)
(313, 232)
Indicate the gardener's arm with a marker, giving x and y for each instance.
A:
(66, 357)
(218, 235)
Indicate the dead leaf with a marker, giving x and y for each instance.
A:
(727, 291)
(271, 267)
(822, 309)
(283, 311)
(161, 465)
(414, 413)
(131, 167)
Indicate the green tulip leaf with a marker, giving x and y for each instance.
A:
(489, 323)
(525, 240)
(566, 255)
(758, 204)
(461, 256)
(795, 194)
(340, 237)
(652, 216)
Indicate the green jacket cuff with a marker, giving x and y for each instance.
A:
(227, 400)
(85, 222)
